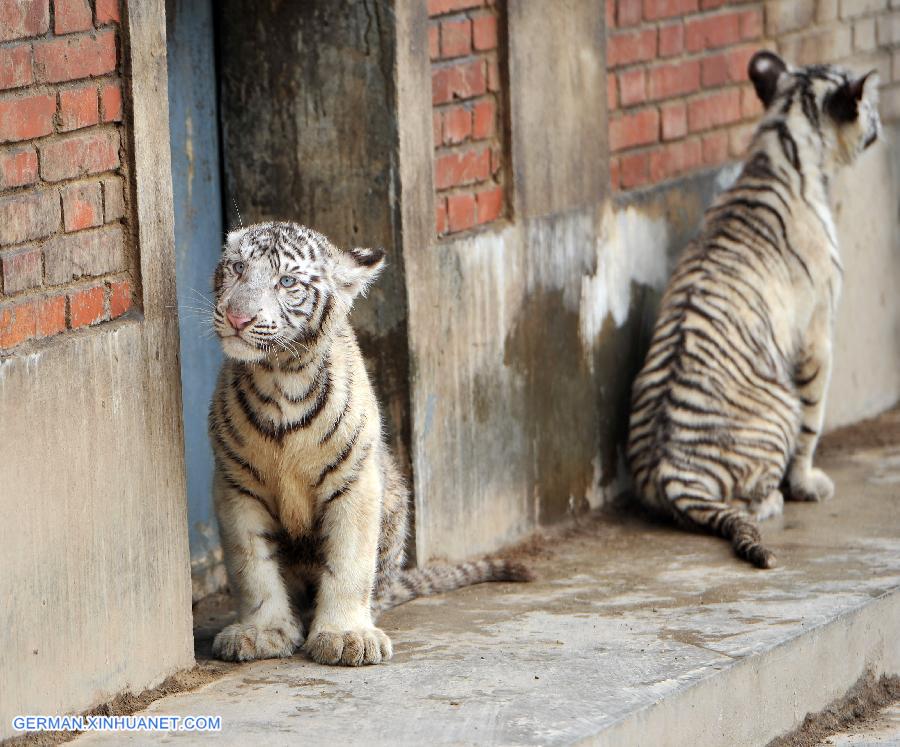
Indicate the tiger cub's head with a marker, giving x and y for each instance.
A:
(282, 287)
(838, 108)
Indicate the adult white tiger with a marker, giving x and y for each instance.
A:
(309, 500)
(730, 401)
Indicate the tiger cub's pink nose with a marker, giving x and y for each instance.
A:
(237, 321)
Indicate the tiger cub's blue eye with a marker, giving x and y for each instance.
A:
(238, 267)
(288, 282)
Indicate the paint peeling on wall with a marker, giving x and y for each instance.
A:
(632, 248)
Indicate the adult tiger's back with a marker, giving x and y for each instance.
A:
(730, 400)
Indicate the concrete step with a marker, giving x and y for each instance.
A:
(636, 634)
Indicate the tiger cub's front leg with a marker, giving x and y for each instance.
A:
(811, 378)
(342, 631)
(266, 628)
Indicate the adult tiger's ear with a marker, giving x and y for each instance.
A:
(765, 69)
(357, 268)
(843, 104)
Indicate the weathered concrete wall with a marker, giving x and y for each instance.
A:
(309, 134)
(95, 583)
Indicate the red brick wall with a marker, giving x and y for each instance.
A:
(677, 88)
(63, 260)
(466, 83)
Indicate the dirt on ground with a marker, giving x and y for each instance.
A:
(863, 704)
(874, 433)
(127, 704)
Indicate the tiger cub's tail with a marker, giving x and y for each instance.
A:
(730, 523)
(436, 579)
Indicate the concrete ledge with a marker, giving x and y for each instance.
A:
(637, 633)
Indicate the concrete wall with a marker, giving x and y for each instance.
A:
(95, 584)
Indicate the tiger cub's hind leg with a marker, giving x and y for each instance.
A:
(266, 628)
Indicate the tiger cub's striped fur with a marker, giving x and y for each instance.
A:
(730, 401)
(309, 501)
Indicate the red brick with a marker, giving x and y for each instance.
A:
(674, 79)
(28, 215)
(78, 108)
(671, 40)
(751, 24)
(461, 81)
(634, 170)
(611, 96)
(751, 106)
(496, 161)
(21, 18)
(95, 252)
(119, 298)
(51, 316)
(434, 41)
(18, 166)
(439, 7)
(17, 323)
(15, 66)
(484, 33)
(455, 169)
(460, 212)
(727, 67)
(630, 130)
(489, 204)
(715, 110)
(440, 216)
(674, 120)
(72, 15)
(437, 135)
(715, 148)
(610, 14)
(484, 116)
(82, 206)
(711, 4)
(656, 9)
(614, 176)
(113, 199)
(456, 38)
(111, 102)
(107, 11)
(21, 269)
(72, 156)
(493, 76)
(710, 32)
(457, 125)
(26, 117)
(628, 12)
(86, 307)
(632, 87)
(70, 58)
(674, 159)
(628, 47)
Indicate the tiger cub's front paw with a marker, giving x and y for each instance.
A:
(351, 648)
(814, 485)
(248, 641)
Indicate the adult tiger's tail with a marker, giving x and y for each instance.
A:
(436, 579)
(730, 523)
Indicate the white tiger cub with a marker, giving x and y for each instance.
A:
(310, 504)
(731, 398)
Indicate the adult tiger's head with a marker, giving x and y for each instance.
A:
(282, 287)
(837, 108)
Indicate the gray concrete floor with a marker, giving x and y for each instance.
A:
(635, 633)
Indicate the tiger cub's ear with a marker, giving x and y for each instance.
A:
(765, 69)
(843, 104)
(233, 239)
(357, 268)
